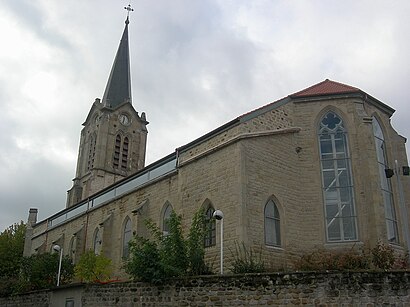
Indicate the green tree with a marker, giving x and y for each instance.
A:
(195, 244)
(11, 250)
(145, 261)
(161, 256)
(171, 255)
(173, 249)
(92, 267)
(11, 255)
(40, 271)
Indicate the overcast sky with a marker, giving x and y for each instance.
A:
(196, 64)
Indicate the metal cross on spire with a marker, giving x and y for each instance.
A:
(129, 9)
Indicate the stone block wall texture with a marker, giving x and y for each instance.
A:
(274, 289)
(37, 298)
(272, 153)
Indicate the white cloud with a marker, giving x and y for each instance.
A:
(195, 64)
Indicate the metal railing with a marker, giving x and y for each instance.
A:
(135, 181)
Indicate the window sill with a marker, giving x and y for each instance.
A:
(275, 248)
(346, 244)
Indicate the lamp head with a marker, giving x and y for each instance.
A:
(218, 214)
(56, 248)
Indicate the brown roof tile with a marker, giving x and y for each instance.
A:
(326, 87)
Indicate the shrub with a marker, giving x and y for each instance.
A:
(246, 261)
(159, 257)
(173, 249)
(40, 271)
(163, 256)
(380, 257)
(383, 256)
(92, 267)
(402, 262)
(195, 245)
(322, 260)
(144, 262)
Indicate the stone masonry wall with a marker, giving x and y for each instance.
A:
(275, 289)
(272, 155)
(37, 298)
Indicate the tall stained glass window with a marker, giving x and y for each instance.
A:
(340, 214)
(389, 210)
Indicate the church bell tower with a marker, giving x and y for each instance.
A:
(113, 139)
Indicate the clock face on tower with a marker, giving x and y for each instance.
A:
(124, 119)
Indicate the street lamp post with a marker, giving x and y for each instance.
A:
(218, 214)
(59, 249)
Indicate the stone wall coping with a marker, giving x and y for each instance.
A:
(238, 138)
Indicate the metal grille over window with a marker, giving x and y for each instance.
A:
(121, 153)
(337, 184)
(117, 150)
(389, 207)
(124, 154)
(91, 152)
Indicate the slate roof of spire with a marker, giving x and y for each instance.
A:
(118, 89)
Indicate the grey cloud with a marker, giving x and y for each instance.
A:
(195, 65)
(32, 15)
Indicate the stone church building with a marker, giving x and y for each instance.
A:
(320, 168)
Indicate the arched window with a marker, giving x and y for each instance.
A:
(337, 184)
(97, 241)
(165, 218)
(272, 224)
(126, 237)
(210, 224)
(390, 212)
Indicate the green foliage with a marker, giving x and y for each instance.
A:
(11, 256)
(173, 251)
(19, 274)
(144, 262)
(195, 245)
(9, 286)
(11, 250)
(40, 271)
(92, 267)
(246, 261)
(168, 255)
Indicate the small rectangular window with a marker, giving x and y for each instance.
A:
(69, 302)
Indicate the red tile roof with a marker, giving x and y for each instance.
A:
(326, 87)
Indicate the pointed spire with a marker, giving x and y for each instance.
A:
(118, 89)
